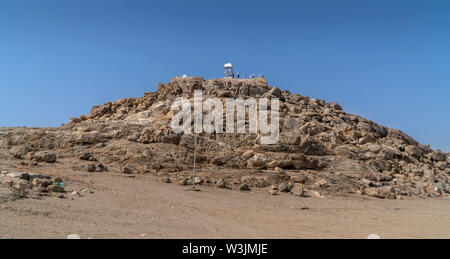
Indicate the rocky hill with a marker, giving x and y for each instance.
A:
(321, 149)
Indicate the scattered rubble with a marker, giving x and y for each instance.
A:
(20, 185)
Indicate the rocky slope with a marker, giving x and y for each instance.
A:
(321, 150)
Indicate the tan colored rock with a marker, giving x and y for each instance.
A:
(166, 180)
(322, 182)
(284, 187)
(299, 179)
(45, 157)
(279, 170)
(222, 183)
(258, 161)
(438, 155)
(198, 180)
(39, 182)
(298, 190)
(273, 192)
(414, 151)
(21, 184)
(315, 194)
(183, 181)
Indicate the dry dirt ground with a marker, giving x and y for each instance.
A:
(141, 206)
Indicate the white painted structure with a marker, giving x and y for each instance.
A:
(228, 70)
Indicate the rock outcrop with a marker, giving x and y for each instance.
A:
(321, 149)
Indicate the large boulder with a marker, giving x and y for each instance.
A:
(438, 155)
(414, 151)
(258, 161)
(45, 157)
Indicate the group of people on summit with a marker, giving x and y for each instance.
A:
(238, 75)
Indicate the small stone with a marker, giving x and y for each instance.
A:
(283, 187)
(18, 175)
(166, 180)
(370, 183)
(42, 189)
(257, 161)
(39, 182)
(279, 170)
(100, 168)
(58, 180)
(101, 145)
(244, 187)
(298, 190)
(96, 168)
(21, 184)
(207, 180)
(441, 165)
(75, 193)
(222, 183)
(86, 190)
(45, 157)
(55, 188)
(273, 192)
(372, 192)
(18, 156)
(32, 176)
(33, 163)
(61, 196)
(87, 157)
(8, 181)
(314, 194)
(127, 170)
(91, 168)
(428, 175)
(299, 179)
(322, 182)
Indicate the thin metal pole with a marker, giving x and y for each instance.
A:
(195, 159)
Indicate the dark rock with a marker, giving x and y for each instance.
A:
(87, 157)
(244, 187)
(55, 188)
(127, 170)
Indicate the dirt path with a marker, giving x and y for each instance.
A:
(142, 207)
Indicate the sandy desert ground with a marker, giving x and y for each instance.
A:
(141, 206)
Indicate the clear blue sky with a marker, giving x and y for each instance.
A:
(388, 61)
